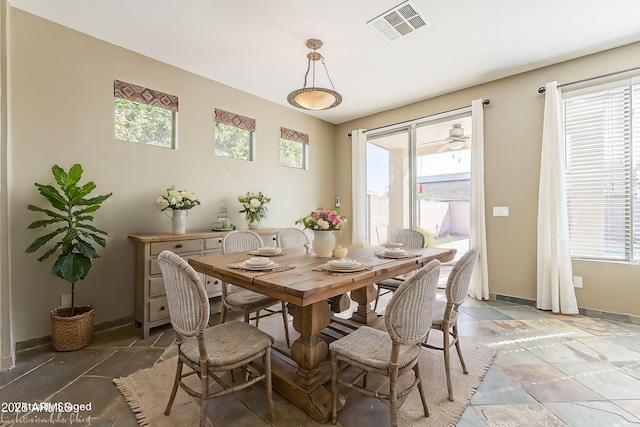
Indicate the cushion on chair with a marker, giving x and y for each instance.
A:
(371, 347)
(222, 343)
(248, 300)
(391, 284)
(438, 314)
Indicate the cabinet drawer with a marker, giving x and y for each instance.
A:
(213, 286)
(213, 243)
(156, 287)
(158, 309)
(154, 267)
(177, 246)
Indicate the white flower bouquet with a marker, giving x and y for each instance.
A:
(254, 205)
(177, 199)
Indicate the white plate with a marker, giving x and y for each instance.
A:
(258, 261)
(343, 269)
(399, 255)
(396, 251)
(258, 267)
(269, 251)
(343, 263)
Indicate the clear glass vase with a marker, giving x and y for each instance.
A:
(253, 223)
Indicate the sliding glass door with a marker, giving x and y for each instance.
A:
(418, 176)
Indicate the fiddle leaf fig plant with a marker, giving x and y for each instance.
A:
(70, 212)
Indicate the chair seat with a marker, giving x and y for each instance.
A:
(371, 347)
(222, 343)
(391, 284)
(439, 308)
(247, 300)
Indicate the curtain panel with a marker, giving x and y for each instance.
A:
(479, 287)
(555, 275)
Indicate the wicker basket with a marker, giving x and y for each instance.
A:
(71, 332)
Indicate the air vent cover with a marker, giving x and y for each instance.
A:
(399, 21)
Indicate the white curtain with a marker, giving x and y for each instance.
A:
(359, 187)
(479, 287)
(555, 275)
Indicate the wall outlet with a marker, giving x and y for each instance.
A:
(65, 300)
(577, 281)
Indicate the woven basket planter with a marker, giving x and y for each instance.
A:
(71, 332)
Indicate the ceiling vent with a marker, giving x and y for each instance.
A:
(399, 21)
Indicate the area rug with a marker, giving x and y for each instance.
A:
(147, 390)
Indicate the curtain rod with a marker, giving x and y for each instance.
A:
(484, 102)
(543, 89)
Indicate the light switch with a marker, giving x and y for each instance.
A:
(501, 211)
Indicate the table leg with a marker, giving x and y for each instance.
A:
(364, 296)
(304, 384)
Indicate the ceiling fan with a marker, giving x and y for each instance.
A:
(457, 140)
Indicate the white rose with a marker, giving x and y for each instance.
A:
(255, 203)
(162, 202)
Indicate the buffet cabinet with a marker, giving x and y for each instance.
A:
(151, 308)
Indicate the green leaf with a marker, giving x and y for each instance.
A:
(75, 173)
(92, 228)
(37, 244)
(86, 249)
(88, 209)
(47, 211)
(43, 223)
(52, 195)
(60, 175)
(50, 252)
(71, 267)
(94, 200)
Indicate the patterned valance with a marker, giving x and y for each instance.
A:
(235, 120)
(293, 135)
(145, 96)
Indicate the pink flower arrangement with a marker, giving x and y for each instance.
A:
(323, 220)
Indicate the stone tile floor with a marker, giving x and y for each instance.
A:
(551, 370)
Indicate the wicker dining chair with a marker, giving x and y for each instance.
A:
(292, 238)
(445, 313)
(392, 353)
(209, 352)
(240, 299)
(409, 239)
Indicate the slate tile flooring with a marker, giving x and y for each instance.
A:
(551, 370)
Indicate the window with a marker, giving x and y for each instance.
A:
(235, 135)
(602, 143)
(293, 148)
(144, 115)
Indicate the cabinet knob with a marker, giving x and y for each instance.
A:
(162, 308)
(179, 245)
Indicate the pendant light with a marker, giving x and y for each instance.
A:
(314, 98)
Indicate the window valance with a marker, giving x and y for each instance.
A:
(145, 96)
(292, 135)
(235, 120)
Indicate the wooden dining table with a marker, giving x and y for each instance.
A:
(306, 286)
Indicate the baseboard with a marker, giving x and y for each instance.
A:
(618, 317)
(36, 342)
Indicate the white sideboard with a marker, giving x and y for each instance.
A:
(151, 307)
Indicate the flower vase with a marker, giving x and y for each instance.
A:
(178, 220)
(253, 223)
(323, 243)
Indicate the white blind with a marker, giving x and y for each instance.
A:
(601, 173)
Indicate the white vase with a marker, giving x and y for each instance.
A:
(178, 220)
(253, 223)
(323, 243)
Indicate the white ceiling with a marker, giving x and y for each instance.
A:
(259, 46)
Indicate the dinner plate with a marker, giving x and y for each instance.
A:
(258, 261)
(338, 263)
(343, 269)
(222, 229)
(258, 267)
(398, 255)
(266, 251)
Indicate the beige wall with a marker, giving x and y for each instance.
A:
(62, 113)
(513, 131)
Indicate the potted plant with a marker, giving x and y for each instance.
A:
(73, 239)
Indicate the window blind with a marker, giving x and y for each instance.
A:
(602, 173)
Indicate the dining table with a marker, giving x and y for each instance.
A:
(307, 283)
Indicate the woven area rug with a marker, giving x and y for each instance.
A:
(146, 391)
